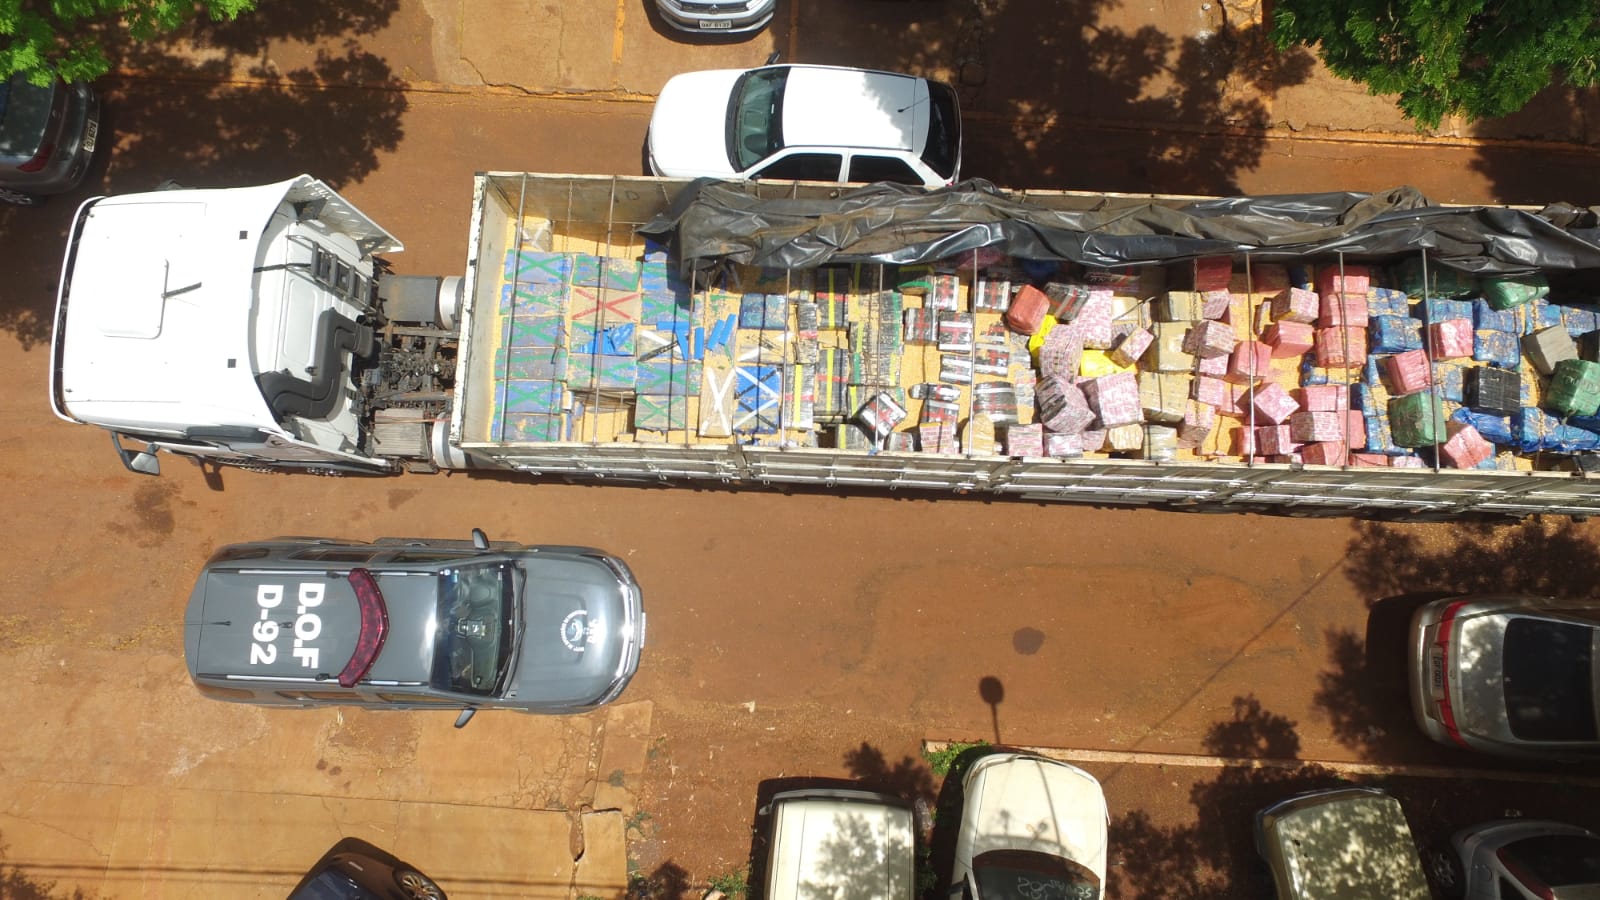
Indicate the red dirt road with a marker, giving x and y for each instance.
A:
(800, 635)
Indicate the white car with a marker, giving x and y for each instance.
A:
(1519, 859)
(1347, 843)
(1030, 828)
(840, 843)
(807, 123)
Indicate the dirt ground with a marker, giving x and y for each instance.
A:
(791, 636)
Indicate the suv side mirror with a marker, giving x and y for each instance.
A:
(142, 462)
(479, 539)
(465, 717)
(774, 57)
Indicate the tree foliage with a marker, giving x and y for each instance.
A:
(48, 39)
(1474, 58)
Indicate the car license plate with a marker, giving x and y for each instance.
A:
(90, 134)
(715, 24)
(1436, 673)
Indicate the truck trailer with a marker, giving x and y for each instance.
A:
(1331, 354)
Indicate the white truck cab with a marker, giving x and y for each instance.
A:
(229, 324)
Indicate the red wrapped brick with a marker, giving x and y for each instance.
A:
(1240, 397)
(1410, 371)
(1115, 398)
(1340, 347)
(1345, 279)
(1242, 442)
(1273, 404)
(1450, 339)
(1308, 426)
(1369, 460)
(1025, 440)
(1211, 391)
(1027, 310)
(1268, 278)
(1288, 339)
(937, 437)
(1209, 339)
(1250, 361)
(1062, 406)
(1343, 309)
(1213, 273)
(1061, 351)
(1198, 421)
(1296, 305)
(1132, 346)
(1322, 397)
(1323, 453)
(1355, 429)
(1094, 317)
(1215, 304)
(1275, 440)
(1409, 461)
(1466, 447)
(1216, 367)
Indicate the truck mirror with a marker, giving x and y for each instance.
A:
(465, 717)
(142, 462)
(479, 539)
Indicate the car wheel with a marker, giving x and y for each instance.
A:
(417, 885)
(1445, 869)
(18, 198)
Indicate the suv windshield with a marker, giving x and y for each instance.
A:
(477, 628)
(755, 116)
(944, 130)
(1025, 875)
(1549, 680)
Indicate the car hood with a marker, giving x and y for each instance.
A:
(689, 128)
(581, 631)
(824, 106)
(1031, 804)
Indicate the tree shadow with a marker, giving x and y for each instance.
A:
(667, 881)
(1561, 119)
(1162, 114)
(209, 106)
(1554, 557)
(1212, 856)
(17, 884)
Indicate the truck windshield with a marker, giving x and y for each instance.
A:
(1027, 875)
(755, 116)
(477, 628)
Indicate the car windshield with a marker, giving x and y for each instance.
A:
(1549, 680)
(755, 116)
(1025, 875)
(476, 637)
(944, 130)
(1557, 860)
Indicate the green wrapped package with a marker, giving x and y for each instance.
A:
(1417, 420)
(1505, 293)
(1446, 282)
(1574, 388)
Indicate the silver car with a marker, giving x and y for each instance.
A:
(1510, 675)
(840, 843)
(1520, 859)
(717, 16)
(1341, 844)
(414, 624)
(47, 138)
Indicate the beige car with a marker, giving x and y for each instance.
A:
(835, 843)
(1341, 844)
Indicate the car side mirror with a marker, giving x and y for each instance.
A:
(479, 539)
(774, 57)
(465, 717)
(143, 462)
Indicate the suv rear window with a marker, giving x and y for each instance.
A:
(1558, 859)
(1549, 680)
(24, 114)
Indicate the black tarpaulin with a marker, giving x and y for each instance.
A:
(714, 221)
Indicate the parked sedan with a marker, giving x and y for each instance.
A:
(831, 842)
(353, 869)
(414, 624)
(806, 123)
(717, 16)
(1031, 828)
(47, 138)
(1509, 675)
(1520, 859)
(1346, 843)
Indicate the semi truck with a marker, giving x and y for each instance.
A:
(779, 335)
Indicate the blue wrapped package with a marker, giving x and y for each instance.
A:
(1393, 334)
(1300, 276)
(1450, 380)
(1487, 318)
(1495, 429)
(1438, 309)
(1310, 372)
(1538, 430)
(1497, 348)
(1369, 401)
(1579, 318)
(1545, 315)
(1383, 301)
